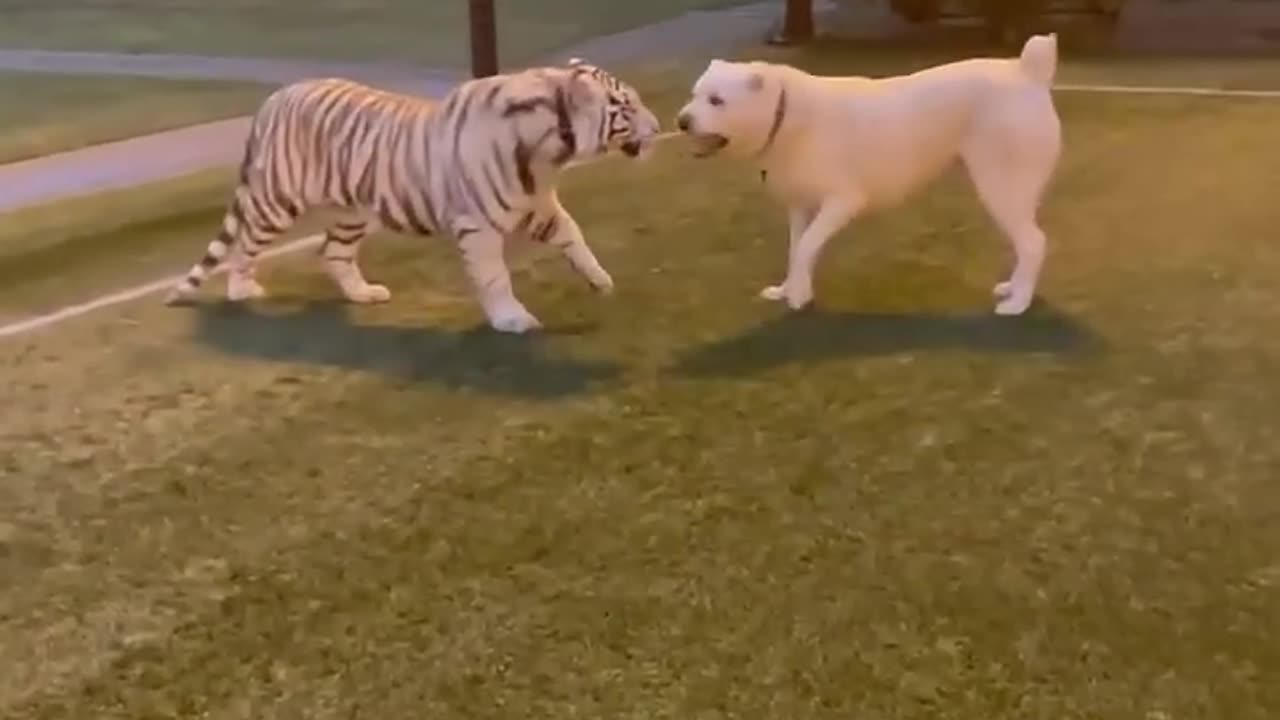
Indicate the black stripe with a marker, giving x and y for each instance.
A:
(545, 230)
(209, 262)
(501, 161)
(564, 126)
(477, 201)
(522, 157)
(384, 214)
(495, 189)
(415, 222)
(492, 95)
(460, 126)
(528, 105)
(266, 225)
(432, 219)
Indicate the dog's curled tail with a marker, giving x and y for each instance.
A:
(1039, 59)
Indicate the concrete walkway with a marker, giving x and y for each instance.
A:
(174, 153)
(272, 71)
(145, 159)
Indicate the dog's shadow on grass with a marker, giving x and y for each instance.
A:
(324, 334)
(814, 335)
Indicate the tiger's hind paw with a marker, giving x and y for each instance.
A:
(370, 294)
(180, 296)
(241, 289)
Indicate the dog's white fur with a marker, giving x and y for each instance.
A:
(832, 147)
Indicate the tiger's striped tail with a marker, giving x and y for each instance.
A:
(222, 245)
(217, 251)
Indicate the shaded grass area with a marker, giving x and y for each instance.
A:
(51, 113)
(404, 30)
(680, 501)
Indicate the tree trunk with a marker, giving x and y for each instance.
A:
(484, 39)
(797, 25)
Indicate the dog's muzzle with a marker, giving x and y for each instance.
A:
(705, 144)
(633, 148)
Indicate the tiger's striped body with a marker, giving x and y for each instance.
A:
(481, 165)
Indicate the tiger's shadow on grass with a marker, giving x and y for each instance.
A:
(324, 334)
(814, 335)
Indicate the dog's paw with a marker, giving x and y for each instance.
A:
(1013, 305)
(795, 295)
(1002, 290)
(798, 296)
(515, 321)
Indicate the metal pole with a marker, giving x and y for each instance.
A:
(484, 38)
(797, 26)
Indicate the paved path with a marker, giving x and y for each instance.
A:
(140, 160)
(271, 71)
(175, 153)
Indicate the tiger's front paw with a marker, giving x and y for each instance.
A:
(602, 283)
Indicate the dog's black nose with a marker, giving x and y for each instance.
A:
(683, 122)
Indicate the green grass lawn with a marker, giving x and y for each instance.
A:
(433, 32)
(46, 113)
(1076, 65)
(679, 501)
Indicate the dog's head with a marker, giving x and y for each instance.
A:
(734, 106)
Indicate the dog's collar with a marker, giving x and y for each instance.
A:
(779, 112)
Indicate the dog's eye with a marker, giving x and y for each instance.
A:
(715, 100)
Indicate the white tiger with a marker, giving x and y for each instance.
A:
(481, 165)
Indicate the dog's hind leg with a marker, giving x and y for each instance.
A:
(1010, 183)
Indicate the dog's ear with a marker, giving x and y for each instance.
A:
(755, 82)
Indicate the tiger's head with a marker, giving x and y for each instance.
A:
(617, 117)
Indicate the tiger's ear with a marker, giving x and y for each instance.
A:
(576, 62)
(579, 90)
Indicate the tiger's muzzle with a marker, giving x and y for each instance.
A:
(644, 135)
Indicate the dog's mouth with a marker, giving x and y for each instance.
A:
(706, 144)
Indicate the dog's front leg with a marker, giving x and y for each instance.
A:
(798, 219)
(810, 232)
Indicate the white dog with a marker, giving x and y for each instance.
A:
(833, 147)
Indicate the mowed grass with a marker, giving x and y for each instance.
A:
(433, 32)
(1086, 65)
(681, 501)
(45, 113)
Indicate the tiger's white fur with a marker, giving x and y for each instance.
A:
(481, 165)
